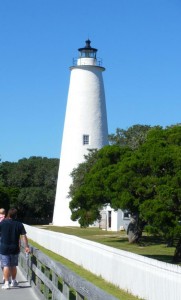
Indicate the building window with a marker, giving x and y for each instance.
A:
(85, 139)
(126, 215)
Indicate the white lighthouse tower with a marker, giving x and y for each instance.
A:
(85, 125)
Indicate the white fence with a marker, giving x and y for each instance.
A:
(143, 277)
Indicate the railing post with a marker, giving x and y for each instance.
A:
(65, 290)
(55, 279)
(33, 261)
(28, 267)
(38, 280)
(45, 288)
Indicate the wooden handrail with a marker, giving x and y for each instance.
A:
(52, 280)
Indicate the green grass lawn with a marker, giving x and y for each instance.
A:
(149, 246)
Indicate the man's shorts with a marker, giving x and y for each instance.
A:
(9, 260)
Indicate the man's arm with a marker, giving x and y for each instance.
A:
(25, 240)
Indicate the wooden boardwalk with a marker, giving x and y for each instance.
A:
(22, 292)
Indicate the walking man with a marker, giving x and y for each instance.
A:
(11, 232)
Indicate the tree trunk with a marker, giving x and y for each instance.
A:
(134, 230)
(177, 254)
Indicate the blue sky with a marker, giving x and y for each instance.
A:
(139, 42)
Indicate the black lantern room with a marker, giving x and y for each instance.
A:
(88, 51)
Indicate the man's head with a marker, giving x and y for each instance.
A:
(2, 211)
(12, 213)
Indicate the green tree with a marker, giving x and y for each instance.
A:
(145, 180)
(150, 187)
(133, 137)
(30, 185)
(4, 198)
(162, 211)
(90, 189)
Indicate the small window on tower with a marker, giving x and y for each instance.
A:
(85, 139)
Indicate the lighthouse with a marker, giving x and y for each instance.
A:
(85, 125)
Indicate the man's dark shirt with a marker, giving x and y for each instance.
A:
(11, 231)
